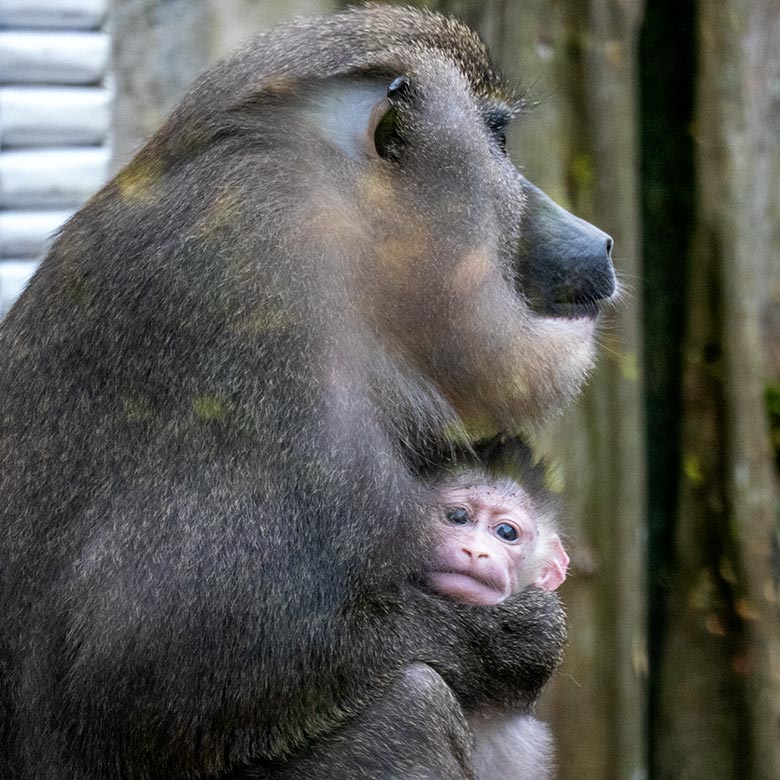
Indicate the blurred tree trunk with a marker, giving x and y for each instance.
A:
(238, 20)
(161, 46)
(578, 60)
(602, 688)
(158, 48)
(720, 695)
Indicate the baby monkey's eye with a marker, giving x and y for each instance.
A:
(457, 515)
(507, 532)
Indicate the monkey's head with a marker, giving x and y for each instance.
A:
(388, 126)
(482, 283)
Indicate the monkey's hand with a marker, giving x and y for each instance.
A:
(492, 655)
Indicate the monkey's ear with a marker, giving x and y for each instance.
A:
(360, 117)
(556, 565)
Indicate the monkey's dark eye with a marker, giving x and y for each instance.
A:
(387, 138)
(497, 121)
(507, 532)
(457, 515)
(387, 141)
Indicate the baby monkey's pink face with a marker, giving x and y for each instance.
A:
(492, 544)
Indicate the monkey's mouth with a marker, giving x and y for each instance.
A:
(468, 587)
(572, 311)
(571, 296)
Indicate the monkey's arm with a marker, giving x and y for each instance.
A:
(491, 655)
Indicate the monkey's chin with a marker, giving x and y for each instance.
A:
(570, 342)
(583, 325)
(465, 588)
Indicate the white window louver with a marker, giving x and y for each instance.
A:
(54, 125)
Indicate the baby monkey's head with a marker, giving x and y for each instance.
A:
(494, 534)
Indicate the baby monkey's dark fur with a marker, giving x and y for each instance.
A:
(208, 394)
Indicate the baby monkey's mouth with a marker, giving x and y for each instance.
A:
(469, 586)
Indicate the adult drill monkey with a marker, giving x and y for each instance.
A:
(322, 261)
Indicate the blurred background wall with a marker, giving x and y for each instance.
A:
(659, 121)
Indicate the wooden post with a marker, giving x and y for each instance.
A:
(75, 14)
(721, 675)
(53, 178)
(52, 57)
(54, 124)
(42, 116)
(28, 233)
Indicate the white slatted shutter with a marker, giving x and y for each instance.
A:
(54, 125)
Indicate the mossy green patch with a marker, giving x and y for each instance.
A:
(211, 407)
(136, 410)
(583, 171)
(692, 469)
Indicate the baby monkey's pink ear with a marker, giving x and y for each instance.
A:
(555, 565)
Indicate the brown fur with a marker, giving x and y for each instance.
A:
(210, 390)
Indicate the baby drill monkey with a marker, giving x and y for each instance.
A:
(494, 535)
(494, 540)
